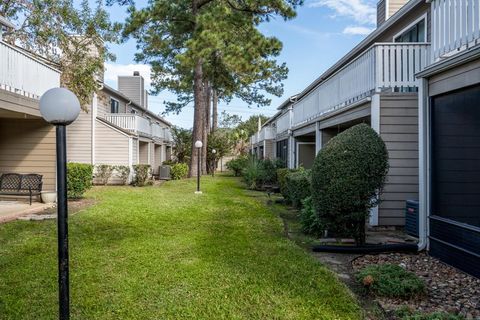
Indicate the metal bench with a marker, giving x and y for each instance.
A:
(14, 184)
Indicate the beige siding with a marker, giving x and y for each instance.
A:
(152, 154)
(395, 5)
(28, 146)
(79, 139)
(158, 157)
(269, 149)
(111, 147)
(457, 78)
(135, 151)
(399, 130)
(143, 152)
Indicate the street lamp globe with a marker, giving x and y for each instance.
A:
(198, 144)
(59, 106)
(214, 151)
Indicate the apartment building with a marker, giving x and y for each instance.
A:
(118, 129)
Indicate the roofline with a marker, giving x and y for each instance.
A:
(136, 105)
(450, 63)
(362, 45)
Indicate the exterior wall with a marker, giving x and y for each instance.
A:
(135, 151)
(395, 5)
(269, 149)
(132, 87)
(79, 139)
(143, 152)
(399, 130)
(28, 146)
(158, 154)
(381, 10)
(152, 155)
(463, 76)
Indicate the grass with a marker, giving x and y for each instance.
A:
(388, 280)
(165, 253)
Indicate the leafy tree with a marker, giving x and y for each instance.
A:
(72, 38)
(229, 120)
(182, 139)
(250, 126)
(196, 44)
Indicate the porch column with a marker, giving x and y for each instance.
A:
(318, 138)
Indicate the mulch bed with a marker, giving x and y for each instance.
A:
(448, 289)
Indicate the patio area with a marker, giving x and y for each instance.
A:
(13, 209)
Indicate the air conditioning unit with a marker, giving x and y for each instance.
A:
(164, 173)
(411, 218)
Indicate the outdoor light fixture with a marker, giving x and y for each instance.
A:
(61, 107)
(214, 152)
(198, 145)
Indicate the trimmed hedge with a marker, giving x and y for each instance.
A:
(179, 171)
(347, 178)
(79, 179)
(142, 174)
(298, 186)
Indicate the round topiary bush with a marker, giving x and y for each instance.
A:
(347, 178)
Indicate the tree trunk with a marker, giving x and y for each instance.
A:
(198, 115)
(214, 110)
(206, 129)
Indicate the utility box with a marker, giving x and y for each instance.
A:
(411, 218)
(164, 173)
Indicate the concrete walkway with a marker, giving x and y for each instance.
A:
(12, 209)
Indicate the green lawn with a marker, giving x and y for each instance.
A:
(165, 253)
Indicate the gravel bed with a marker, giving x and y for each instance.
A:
(448, 289)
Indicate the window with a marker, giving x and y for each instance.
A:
(113, 105)
(282, 151)
(415, 33)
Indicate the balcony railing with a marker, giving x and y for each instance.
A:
(385, 66)
(267, 133)
(158, 131)
(131, 122)
(455, 26)
(23, 74)
(283, 123)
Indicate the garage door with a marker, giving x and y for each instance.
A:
(455, 179)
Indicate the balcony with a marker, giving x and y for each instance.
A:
(283, 123)
(455, 26)
(131, 122)
(23, 74)
(267, 133)
(383, 67)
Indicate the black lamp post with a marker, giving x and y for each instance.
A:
(198, 145)
(61, 107)
(214, 152)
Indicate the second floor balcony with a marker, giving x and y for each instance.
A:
(24, 74)
(139, 125)
(266, 133)
(382, 67)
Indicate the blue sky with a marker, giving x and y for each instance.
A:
(322, 32)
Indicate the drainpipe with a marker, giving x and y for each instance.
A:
(423, 132)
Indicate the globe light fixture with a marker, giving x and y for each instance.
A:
(60, 107)
(198, 145)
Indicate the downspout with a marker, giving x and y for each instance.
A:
(423, 125)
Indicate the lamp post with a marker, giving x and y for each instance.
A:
(61, 107)
(198, 145)
(214, 152)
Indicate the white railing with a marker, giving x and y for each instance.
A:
(158, 131)
(384, 66)
(23, 74)
(130, 122)
(266, 133)
(168, 134)
(455, 26)
(283, 123)
(254, 139)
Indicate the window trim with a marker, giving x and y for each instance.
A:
(411, 25)
(118, 105)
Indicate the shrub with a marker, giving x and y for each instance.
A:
(79, 179)
(168, 163)
(298, 186)
(123, 173)
(104, 173)
(268, 171)
(282, 180)
(142, 174)
(311, 224)
(392, 281)
(259, 172)
(406, 314)
(237, 165)
(347, 178)
(179, 171)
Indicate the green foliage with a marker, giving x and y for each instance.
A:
(260, 172)
(182, 139)
(237, 165)
(104, 173)
(298, 185)
(282, 180)
(123, 172)
(168, 162)
(311, 224)
(347, 178)
(142, 174)
(73, 36)
(392, 281)
(79, 179)
(179, 171)
(250, 126)
(406, 314)
(221, 142)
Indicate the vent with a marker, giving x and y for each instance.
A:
(136, 73)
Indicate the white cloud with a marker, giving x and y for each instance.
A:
(361, 11)
(357, 30)
(112, 71)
